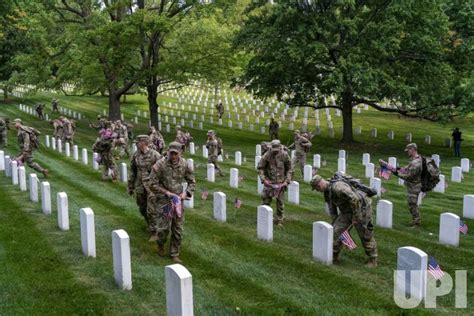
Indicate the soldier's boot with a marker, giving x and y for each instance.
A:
(176, 259)
(335, 258)
(415, 223)
(278, 222)
(45, 173)
(372, 262)
(161, 250)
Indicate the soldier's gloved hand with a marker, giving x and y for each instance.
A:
(182, 196)
(266, 182)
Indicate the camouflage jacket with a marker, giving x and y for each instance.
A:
(212, 147)
(349, 200)
(3, 124)
(140, 168)
(167, 177)
(24, 139)
(274, 127)
(67, 128)
(412, 172)
(275, 168)
(302, 144)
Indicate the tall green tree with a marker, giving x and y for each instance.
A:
(186, 41)
(361, 52)
(92, 44)
(12, 41)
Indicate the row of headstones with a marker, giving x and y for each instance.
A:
(63, 110)
(56, 144)
(178, 278)
(323, 232)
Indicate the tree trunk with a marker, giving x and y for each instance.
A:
(114, 104)
(347, 135)
(5, 93)
(152, 95)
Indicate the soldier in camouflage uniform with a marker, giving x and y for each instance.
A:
(220, 109)
(412, 176)
(273, 128)
(102, 123)
(274, 169)
(3, 132)
(166, 181)
(212, 146)
(121, 134)
(157, 142)
(54, 105)
(39, 111)
(302, 145)
(104, 146)
(26, 143)
(67, 131)
(140, 166)
(355, 210)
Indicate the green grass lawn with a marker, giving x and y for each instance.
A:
(43, 271)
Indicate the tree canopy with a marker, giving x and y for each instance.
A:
(361, 52)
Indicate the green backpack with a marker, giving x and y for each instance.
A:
(429, 174)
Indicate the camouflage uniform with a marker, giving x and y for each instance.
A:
(54, 105)
(355, 209)
(220, 109)
(412, 176)
(140, 167)
(122, 137)
(302, 146)
(67, 131)
(275, 167)
(157, 142)
(274, 128)
(168, 177)
(104, 148)
(39, 111)
(58, 128)
(212, 146)
(26, 149)
(3, 132)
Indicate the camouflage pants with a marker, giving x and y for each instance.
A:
(142, 203)
(3, 138)
(365, 230)
(29, 160)
(273, 135)
(299, 160)
(165, 225)
(280, 203)
(213, 159)
(108, 161)
(413, 191)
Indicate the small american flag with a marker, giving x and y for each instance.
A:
(347, 240)
(434, 269)
(463, 227)
(384, 172)
(177, 206)
(204, 195)
(237, 203)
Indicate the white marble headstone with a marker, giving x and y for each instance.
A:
(121, 259)
(265, 223)
(87, 232)
(449, 229)
(323, 242)
(220, 209)
(179, 291)
(46, 198)
(33, 182)
(63, 210)
(384, 214)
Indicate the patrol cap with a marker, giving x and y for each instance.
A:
(143, 138)
(176, 147)
(297, 131)
(17, 120)
(275, 145)
(315, 180)
(178, 127)
(210, 132)
(410, 146)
